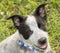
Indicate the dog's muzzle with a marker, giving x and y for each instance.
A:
(42, 43)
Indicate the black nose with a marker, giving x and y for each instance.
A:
(42, 40)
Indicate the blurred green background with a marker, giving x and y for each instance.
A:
(25, 7)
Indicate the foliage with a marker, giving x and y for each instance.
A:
(24, 7)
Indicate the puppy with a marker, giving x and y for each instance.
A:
(31, 35)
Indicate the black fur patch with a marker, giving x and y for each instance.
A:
(41, 17)
(41, 23)
(24, 30)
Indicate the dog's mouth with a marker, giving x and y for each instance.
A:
(43, 46)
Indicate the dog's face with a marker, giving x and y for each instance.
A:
(33, 27)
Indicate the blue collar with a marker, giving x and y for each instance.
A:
(22, 44)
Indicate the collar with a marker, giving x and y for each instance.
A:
(22, 44)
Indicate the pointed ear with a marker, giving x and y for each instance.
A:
(17, 19)
(40, 11)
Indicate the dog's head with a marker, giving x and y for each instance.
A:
(33, 26)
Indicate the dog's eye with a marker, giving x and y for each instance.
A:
(41, 26)
(27, 34)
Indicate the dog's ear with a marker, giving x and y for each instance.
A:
(40, 11)
(17, 19)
